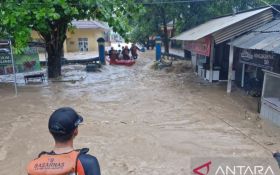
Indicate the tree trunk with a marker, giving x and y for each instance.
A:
(173, 29)
(166, 39)
(165, 33)
(54, 46)
(54, 62)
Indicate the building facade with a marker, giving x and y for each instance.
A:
(83, 37)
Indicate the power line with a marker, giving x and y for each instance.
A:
(270, 6)
(40, 3)
(144, 3)
(172, 2)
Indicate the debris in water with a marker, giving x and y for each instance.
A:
(269, 143)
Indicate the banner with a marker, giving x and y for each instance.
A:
(201, 46)
(28, 61)
(257, 58)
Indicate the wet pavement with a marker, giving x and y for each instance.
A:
(137, 120)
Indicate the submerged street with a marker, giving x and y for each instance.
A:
(137, 120)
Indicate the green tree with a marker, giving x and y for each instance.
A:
(186, 15)
(153, 21)
(192, 14)
(144, 26)
(157, 15)
(52, 18)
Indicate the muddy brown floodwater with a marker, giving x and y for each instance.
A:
(137, 120)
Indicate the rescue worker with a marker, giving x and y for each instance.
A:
(113, 54)
(125, 53)
(64, 159)
(133, 51)
(111, 51)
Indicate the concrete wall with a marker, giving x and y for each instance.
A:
(35, 36)
(92, 35)
(72, 41)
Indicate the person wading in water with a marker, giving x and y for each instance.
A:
(133, 50)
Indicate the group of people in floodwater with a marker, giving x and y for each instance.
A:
(124, 54)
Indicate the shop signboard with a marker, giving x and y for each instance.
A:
(28, 61)
(201, 46)
(257, 58)
(5, 58)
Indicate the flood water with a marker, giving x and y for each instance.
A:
(137, 120)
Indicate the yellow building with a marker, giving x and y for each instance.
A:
(83, 37)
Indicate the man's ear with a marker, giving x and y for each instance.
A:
(76, 132)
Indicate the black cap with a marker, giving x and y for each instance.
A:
(64, 121)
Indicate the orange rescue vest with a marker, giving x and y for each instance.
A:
(56, 164)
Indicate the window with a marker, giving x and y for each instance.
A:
(83, 44)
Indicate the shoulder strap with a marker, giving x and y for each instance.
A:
(81, 151)
(42, 153)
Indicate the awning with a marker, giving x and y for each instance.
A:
(266, 38)
(227, 27)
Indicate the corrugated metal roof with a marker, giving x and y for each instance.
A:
(83, 24)
(243, 26)
(265, 38)
(215, 26)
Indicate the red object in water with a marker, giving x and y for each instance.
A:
(121, 62)
(28, 65)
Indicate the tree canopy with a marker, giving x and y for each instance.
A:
(185, 14)
(51, 19)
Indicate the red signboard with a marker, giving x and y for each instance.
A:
(201, 46)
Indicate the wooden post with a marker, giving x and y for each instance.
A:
(194, 60)
(243, 75)
(211, 60)
(230, 63)
(264, 84)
